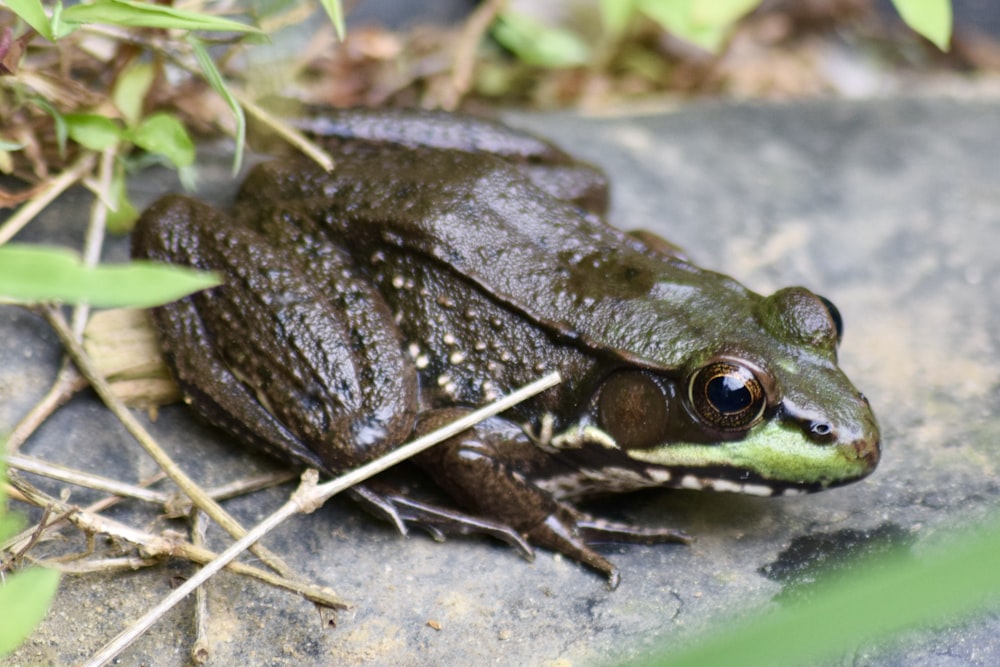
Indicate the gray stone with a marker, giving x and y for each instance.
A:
(889, 208)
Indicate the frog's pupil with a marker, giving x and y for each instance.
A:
(728, 394)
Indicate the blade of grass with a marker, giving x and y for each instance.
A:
(38, 274)
(336, 13)
(891, 594)
(214, 78)
(32, 13)
(149, 15)
(930, 18)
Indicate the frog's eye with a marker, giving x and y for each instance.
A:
(838, 321)
(727, 396)
(632, 407)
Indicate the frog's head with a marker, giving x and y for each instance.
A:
(762, 409)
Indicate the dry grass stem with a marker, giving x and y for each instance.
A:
(307, 498)
(200, 653)
(89, 480)
(94, 240)
(101, 565)
(149, 444)
(153, 548)
(286, 132)
(180, 505)
(464, 58)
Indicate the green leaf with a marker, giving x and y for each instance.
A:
(888, 595)
(57, 119)
(122, 217)
(130, 91)
(930, 18)
(92, 130)
(32, 13)
(537, 44)
(129, 13)
(702, 22)
(38, 274)
(336, 13)
(616, 15)
(214, 78)
(163, 134)
(25, 597)
(720, 13)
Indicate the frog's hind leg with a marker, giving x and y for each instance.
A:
(485, 469)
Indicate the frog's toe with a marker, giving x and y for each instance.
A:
(562, 535)
(437, 521)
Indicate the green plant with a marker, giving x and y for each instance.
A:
(25, 595)
(879, 598)
(706, 23)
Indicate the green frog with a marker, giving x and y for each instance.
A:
(447, 260)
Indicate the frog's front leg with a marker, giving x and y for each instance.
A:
(475, 468)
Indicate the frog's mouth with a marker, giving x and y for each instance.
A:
(610, 479)
(773, 459)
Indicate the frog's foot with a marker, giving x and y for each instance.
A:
(435, 520)
(571, 532)
(559, 532)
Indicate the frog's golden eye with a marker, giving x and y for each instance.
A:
(633, 407)
(727, 396)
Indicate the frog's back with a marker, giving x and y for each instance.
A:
(478, 217)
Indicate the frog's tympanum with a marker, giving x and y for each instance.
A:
(446, 261)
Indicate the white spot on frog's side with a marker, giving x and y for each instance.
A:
(724, 485)
(445, 301)
(443, 379)
(456, 357)
(489, 391)
(756, 490)
(398, 281)
(414, 350)
(448, 339)
(421, 362)
(479, 346)
(690, 482)
(659, 475)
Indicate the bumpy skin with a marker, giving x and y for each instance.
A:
(446, 261)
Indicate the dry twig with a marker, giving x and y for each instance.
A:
(307, 498)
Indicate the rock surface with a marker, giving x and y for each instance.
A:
(889, 208)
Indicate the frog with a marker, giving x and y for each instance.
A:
(447, 260)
